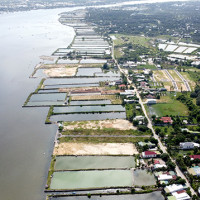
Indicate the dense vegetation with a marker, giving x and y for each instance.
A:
(175, 19)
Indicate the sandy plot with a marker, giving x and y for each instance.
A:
(95, 149)
(120, 124)
(60, 72)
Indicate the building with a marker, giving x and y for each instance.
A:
(173, 188)
(151, 101)
(193, 157)
(149, 154)
(166, 120)
(195, 171)
(158, 166)
(138, 118)
(165, 177)
(188, 145)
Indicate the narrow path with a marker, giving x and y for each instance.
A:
(108, 136)
(184, 80)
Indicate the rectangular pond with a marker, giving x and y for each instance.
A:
(92, 108)
(150, 196)
(89, 116)
(71, 85)
(94, 102)
(93, 162)
(88, 71)
(48, 97)
(142, 177)
(91, 179)
(78, 80)
(45, 103)
(41, 91)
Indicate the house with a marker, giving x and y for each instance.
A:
(166, 120)
(165, 177)
(173, 188)
(122, 86)
(195, 171)
(139, 117)
(179, 195)
(149, 154)
(188, 145)
(151, 101)
(193, 157)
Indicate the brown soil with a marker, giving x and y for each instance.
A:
(95, 149)
(120, 124)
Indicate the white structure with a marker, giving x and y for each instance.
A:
(181, 196)
(165, 177)
(188, 145)
(173, 188)
(151, 101)
(139, 117)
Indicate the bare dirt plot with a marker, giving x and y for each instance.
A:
(114, 99)
(119, 124)
(95, 149)
(60, 72)
(160, 76)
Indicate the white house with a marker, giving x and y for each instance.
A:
(139, 117)
(188, 145)
(151, 101)
(165, 177)
(149, 154)
(182, 195)
(173, 188)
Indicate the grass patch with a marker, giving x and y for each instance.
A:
(101, 139)
(40, 85)
(168, 105)
(105, 131)
(49, 115)
(51, 170)
(146, 67)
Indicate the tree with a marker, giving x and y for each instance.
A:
(165, 157)
(157, 130)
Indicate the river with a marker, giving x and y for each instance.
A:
(26, 143)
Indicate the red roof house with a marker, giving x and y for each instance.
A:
(166, 120)
(149, 154)
(195, 157)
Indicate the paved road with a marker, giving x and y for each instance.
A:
(150, 126)
(184, 80)
(172, 80)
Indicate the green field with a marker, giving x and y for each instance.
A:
(168, 105)
(102, 139)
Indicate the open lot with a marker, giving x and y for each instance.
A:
(120, 124)
(95, 149)
(168, 106)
